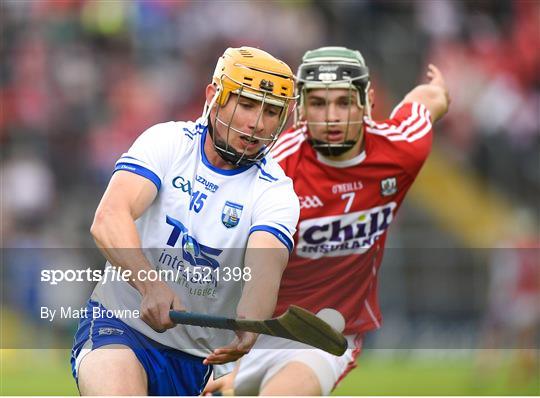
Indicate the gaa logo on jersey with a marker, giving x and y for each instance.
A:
(230, 216)
(388, 186)
(307, 202)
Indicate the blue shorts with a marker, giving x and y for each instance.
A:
(169, 371)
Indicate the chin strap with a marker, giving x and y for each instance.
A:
(228, 153)
(328, 150)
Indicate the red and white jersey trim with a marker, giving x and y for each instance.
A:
(371, 314)
(288, 144)
(417, 125)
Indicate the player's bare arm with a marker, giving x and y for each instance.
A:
(126, 198)
(259, 295)
(260, 292)
(434, 95)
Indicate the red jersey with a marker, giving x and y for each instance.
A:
(526, 265)
(345, 210)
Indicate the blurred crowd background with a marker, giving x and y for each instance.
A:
(81, 79)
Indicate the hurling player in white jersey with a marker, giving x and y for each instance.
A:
(201, 200)
(351, 174)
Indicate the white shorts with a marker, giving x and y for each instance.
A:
(263, 362)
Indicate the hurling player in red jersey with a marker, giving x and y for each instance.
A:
(351, 174)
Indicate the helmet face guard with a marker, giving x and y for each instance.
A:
(334, 68)
(254, 74)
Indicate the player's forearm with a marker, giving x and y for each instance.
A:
(117, 238)
(258, 300)
(260, 293)
(432, 96)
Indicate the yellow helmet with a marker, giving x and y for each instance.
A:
(253, 73)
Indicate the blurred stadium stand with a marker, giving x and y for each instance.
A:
(79, 80)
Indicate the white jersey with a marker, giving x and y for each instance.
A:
(198, 226)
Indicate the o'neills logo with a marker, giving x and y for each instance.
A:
(352, 233)
(347, 187)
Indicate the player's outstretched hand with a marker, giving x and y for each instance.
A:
(240, 346)
(433, 95)
(436, 78)
(158, 299)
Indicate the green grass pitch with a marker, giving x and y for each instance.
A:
(47, 372)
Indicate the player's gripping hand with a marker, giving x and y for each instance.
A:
(158, 299)
(239, 347)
